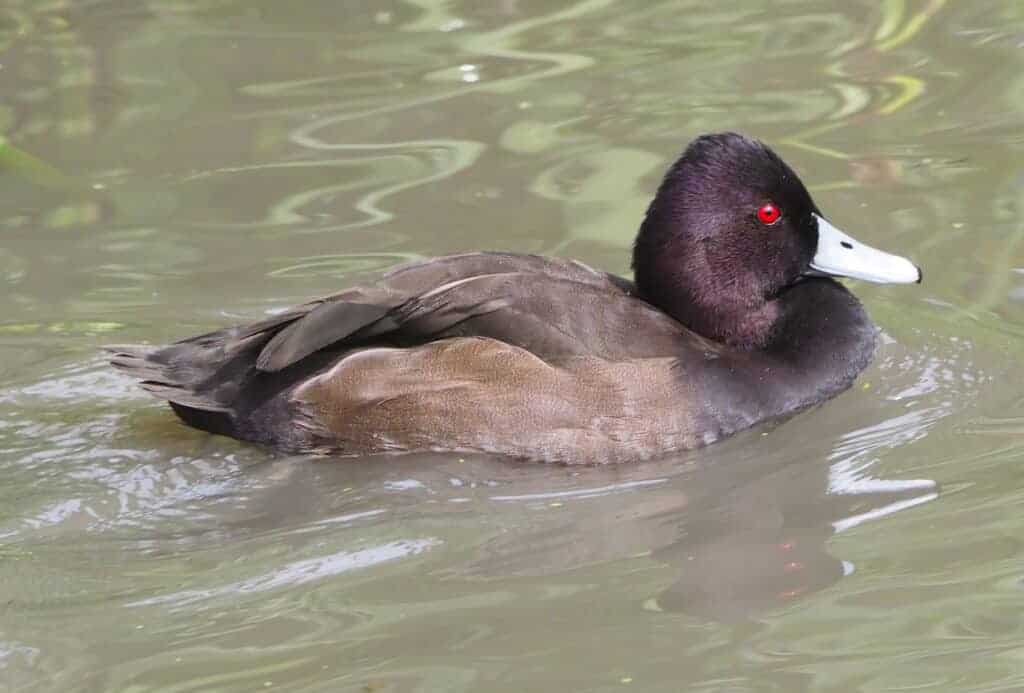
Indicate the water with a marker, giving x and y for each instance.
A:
(183, 164)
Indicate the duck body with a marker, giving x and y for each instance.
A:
(545, 358)
(519, 355)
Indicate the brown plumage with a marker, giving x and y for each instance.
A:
(544, 358)
(570, 388)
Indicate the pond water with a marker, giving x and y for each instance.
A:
(173, 166)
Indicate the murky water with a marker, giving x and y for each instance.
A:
(174, 166)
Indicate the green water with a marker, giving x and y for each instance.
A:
(170, 167)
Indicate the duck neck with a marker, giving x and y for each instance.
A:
(816, 330)
(823, 334)
(733, 314)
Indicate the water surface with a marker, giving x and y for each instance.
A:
(170, 167)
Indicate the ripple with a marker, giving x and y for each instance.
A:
(383, 171)
(299, 572)
(342, 266)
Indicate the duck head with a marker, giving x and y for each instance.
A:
(730, 230)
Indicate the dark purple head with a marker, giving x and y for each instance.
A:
(731, 227)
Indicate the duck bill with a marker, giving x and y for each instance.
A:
(839, 255)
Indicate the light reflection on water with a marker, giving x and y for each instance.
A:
(184, 164)
(297, 573)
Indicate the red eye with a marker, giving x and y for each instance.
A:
(768, 214)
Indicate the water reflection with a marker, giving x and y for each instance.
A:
(171, 166)
(298, 572)
(764, 545)
(741, 534)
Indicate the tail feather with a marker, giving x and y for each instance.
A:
(177, 394)
(134, 360)
(211, 381)
(204, 373)
(159, 377)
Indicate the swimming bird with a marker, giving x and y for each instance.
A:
(733, 317)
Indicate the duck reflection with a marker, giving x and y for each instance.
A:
(763, 543)
(741, 536)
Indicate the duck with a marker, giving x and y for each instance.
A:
(734, 317)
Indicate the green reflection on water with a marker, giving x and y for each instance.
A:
(210, 161)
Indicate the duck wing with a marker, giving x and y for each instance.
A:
(415, 301)
(550, 307)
